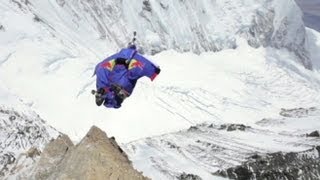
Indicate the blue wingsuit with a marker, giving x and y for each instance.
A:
(117, 75)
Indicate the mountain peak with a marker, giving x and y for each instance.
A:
(95, 157)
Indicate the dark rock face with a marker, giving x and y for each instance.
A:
(6, 160)
(314, 134)
(147, 5)
(234, 127)
(193, 128)
(294, 165)
(185, 176)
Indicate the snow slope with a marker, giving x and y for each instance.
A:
(196, 25)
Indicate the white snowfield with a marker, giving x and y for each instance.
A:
(48, 50)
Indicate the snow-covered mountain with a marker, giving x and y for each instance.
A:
(21, 138)
(23, 134)
(198, 26)
(223, 62)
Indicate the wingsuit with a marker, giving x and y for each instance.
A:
(118, 74)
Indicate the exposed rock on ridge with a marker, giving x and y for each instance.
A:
(21, 137)
(95, 157)
(302, 165)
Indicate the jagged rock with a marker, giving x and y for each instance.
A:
(295, 165)
(271, 122)
(6, 160)
(185, 176)
(147, 5)
(22, 136)
(96, 157)
(36, 18)
(52, 155)
(256, 156)
(193, 128)
(33, 152)
(233, 127)
(314, 134)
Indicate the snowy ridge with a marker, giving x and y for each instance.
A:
(245, 82)
(18, 134)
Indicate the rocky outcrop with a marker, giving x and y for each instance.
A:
(271, 26)
(1, 28)
(314, 134)
(185, 176)
(52, 155)
(233, 127)
(295, 165)
(22, 136)
(96, 157)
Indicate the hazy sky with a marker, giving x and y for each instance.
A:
(311, 9)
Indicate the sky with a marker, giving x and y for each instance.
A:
(311, 9)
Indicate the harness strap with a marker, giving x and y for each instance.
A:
(122, 61)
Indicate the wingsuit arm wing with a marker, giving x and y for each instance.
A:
(114, 56)
(141, 66)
